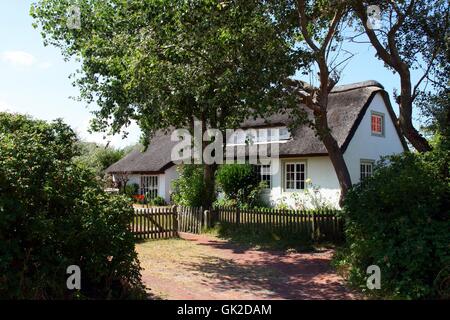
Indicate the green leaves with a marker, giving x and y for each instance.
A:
(163, 62)
(54, 214)
(189, 188)
(240, 183)
(399, 220)
(97, 157)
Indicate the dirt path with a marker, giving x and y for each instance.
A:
(204, 267)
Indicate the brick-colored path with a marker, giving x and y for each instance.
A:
(204, 267)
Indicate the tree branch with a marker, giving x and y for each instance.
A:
(381, 51)
(304, 27)
(425, 75)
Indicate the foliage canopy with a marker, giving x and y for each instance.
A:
(54, 214)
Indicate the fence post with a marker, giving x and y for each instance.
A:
(206, 219)
(175, 219)
(238, 215)
(313, 225)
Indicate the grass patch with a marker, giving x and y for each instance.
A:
(261, 239)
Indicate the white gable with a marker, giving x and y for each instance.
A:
(366, 146)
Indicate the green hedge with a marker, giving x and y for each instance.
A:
(189, 188)
(240, 185)
(53, 214)
(399, 220)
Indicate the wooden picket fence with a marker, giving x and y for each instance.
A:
(155, 223)
(316, 225)
(166, 222)
(191, 220)
(163, 223)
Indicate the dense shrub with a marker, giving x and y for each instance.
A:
(189, 188)
(53, 214)
(131, 190)
(158, 201)
(240, 185)
(399, 220)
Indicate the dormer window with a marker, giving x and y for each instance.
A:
(259, 136)
(377, 124)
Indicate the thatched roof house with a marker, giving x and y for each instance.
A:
(361, 119)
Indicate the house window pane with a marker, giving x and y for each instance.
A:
(295, 176)
(377, 124)
(366, 168)
(149, 186)
(263, 135)
(264, 174)
(284, 134)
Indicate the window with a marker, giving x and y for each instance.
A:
(284, 134)
(261, 135)
(366, 169)
(278, 134)
(377, 124)
(149, 186)
(295, 176)
(264, 173)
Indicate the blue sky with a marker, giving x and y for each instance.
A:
(34, 78)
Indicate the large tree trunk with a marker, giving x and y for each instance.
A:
(335, 154)
(209, 180)
(209, 174)
(389, 54)
(419, 142)
(405, 102)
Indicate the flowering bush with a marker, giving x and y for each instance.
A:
(139, 198)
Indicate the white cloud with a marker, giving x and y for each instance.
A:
(18, 58)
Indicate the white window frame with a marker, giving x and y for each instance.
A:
(262, 174)
(150, 183)
(285, 175)
(364, 174)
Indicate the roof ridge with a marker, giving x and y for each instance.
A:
(357, 85)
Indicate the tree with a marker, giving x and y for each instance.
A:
(319, 25)
(162, 63)
(98, 157)
(54, 214)
(412, 35)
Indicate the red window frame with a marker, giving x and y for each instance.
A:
(377, 124)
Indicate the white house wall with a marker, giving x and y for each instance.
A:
(321, 173)
(162, 186)
(170, 175)
(365, 146)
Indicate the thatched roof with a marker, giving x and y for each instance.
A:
(156, 159)
(347, 106)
